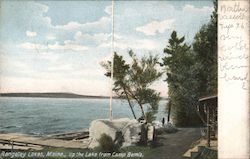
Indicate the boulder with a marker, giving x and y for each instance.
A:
(157, 124)
(128, 129)
(150, 136)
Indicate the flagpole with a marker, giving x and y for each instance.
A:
(112, 65)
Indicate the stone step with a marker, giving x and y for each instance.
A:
(188, 153)
(201, 148)
(194, 154)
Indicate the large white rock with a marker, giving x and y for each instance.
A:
(157, 124)
(130, 129)
(151, 132)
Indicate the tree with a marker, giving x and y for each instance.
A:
(178, 64)
(205, 49)
(191, 71)
(120, 70)
(143, 73)
(133, 82)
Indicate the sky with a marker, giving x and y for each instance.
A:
(57, 46)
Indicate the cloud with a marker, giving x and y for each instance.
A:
(49, 56)
(16, 64)
(68, 45)
(105, 45)
(43, 7)
(69, 26)
(31, 34)
(31, 46)
(125, 42)
(191, 8)
(40, 19)
(103, 22)
(78, 35)
(87, 73)
(156, 27)
(50, 67)
(96, 38)
(139, 44)
(50, 37)
(61, 68)
(108, 9)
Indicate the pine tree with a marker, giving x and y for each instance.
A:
(133, 81)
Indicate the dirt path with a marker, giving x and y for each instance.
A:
(176, 144)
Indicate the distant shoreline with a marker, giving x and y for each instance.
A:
(50, 95)
(56, 95)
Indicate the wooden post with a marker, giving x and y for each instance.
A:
(208, 126)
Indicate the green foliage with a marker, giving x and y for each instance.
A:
(132, 81)
(178, 63)
(142, 74)
(106, 143)
(191, 72)
(120, 71)
(149, 116)
(143, 71)
(205, 50)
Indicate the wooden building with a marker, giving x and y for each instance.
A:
(208, 112)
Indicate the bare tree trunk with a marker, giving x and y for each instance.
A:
(129, 103)
(169, 112)
(133, 96)
(143, 113)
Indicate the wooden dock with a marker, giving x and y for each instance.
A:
(25, 142)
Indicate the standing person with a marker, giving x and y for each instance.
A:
(163, 121)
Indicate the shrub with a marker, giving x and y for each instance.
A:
(106, 143)
(150, 116)
(169, 128)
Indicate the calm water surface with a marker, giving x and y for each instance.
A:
(43, 116)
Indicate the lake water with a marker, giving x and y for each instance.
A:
(43, 116)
